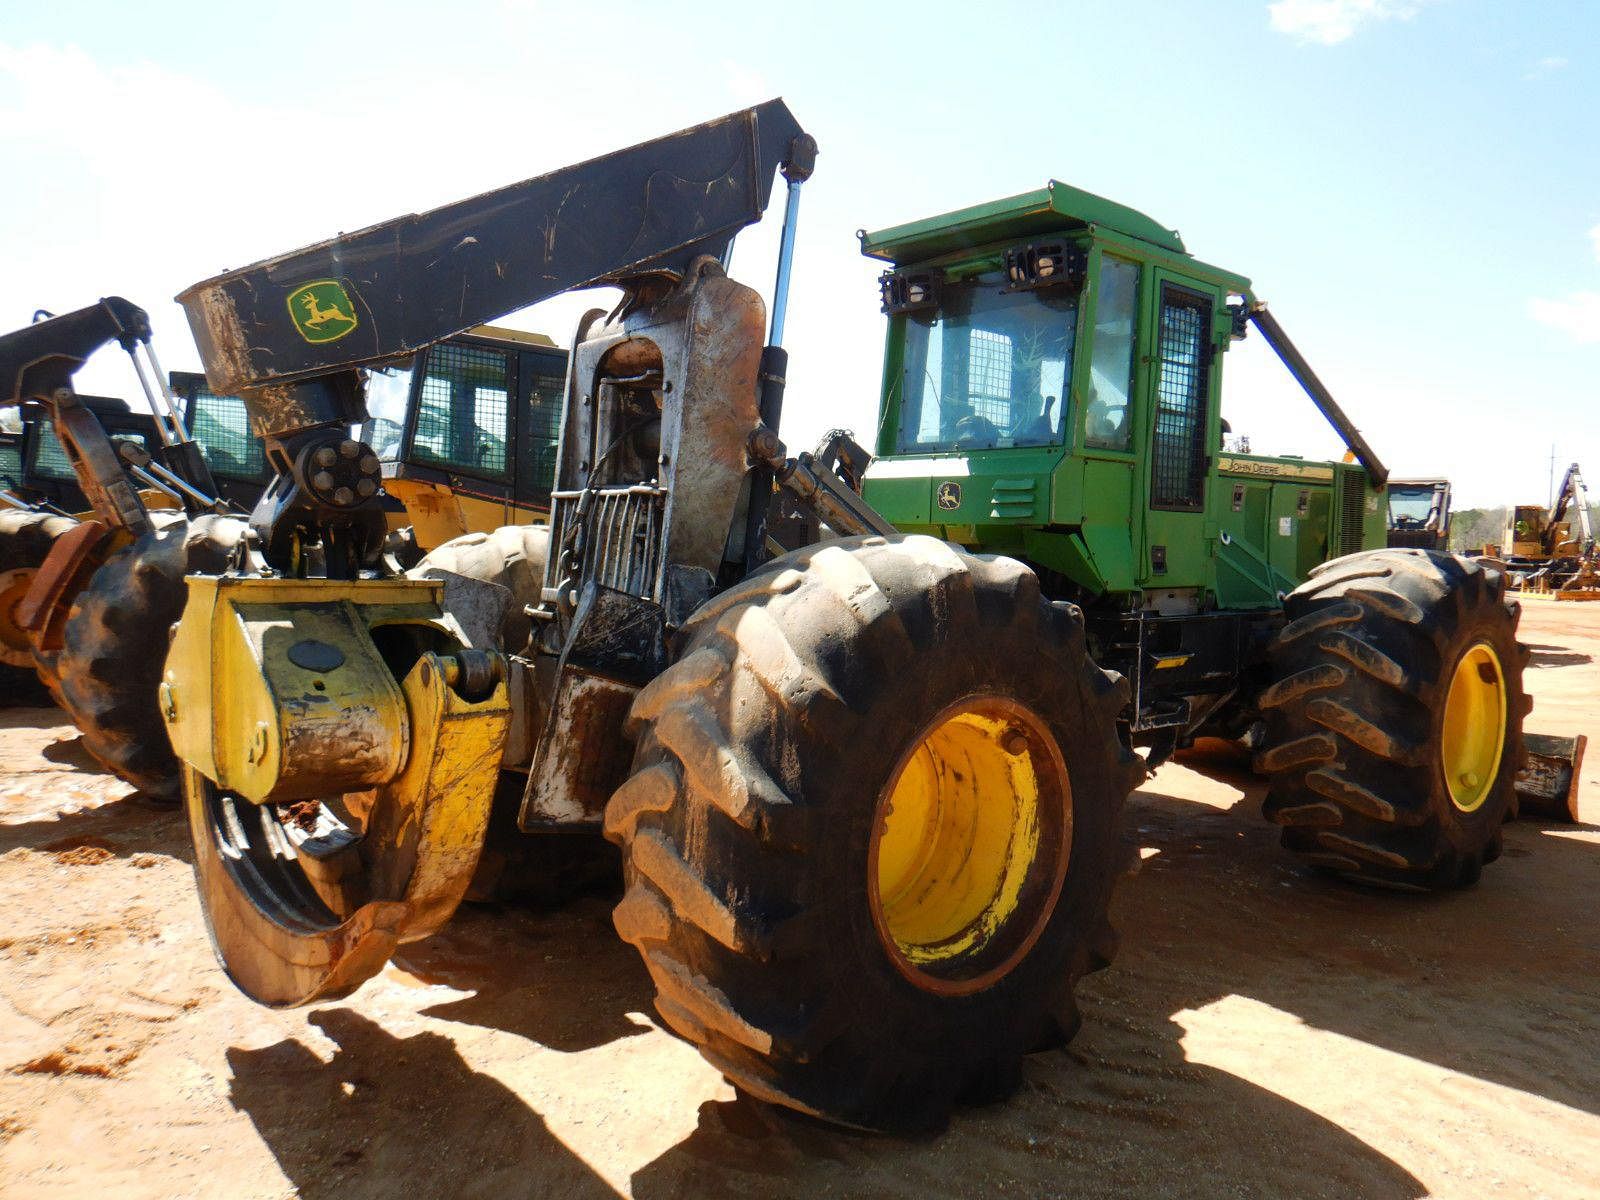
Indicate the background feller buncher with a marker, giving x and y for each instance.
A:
(82, 595)
(867, 791)
(469, 449)
(42, 500)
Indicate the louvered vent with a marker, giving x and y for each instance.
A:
(1352, 492)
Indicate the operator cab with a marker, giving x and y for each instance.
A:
(1419, 513)
(1051, 391)
(467, 431)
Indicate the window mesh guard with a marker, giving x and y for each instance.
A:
(1178, 453)
(542, 423)
(222, 427)
(461, 412)
(50, 456)
(989, 376)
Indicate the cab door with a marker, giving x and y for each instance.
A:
(1180, 403)
(541, 384)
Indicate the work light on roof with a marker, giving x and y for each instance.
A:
(907, 291)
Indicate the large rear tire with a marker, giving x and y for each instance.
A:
(872, 829)
(1394, 722)
(114, 646)
(25, 540)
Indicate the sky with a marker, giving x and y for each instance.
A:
(1413, 185)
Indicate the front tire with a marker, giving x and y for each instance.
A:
(872, 829)
(1394, 722)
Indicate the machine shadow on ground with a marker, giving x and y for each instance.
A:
(388, 1116)
(125, 827)
(567, 982)
(1467, 981)
(1220, 911)
(1555, 656)
(1461, 979)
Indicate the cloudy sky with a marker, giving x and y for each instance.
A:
(1413, 185)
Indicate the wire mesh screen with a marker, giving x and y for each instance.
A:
(544, 408)
(1177, 460)
(989, 376)
(542, 423)
(10, 463)
(462, 409)
(50, 457)
(221, 425)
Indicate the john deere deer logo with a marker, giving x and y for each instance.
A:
(949, 495)
(322, 311)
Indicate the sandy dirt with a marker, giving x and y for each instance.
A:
(1262, 1033)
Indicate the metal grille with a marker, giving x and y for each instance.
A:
(989, 376)
(461, 412)
(1177, 461)
(1352, 492)
(221, 424)
(617, 543)
(10, 464)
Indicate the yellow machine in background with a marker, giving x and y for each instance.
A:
(1543, 553)
(467, 433)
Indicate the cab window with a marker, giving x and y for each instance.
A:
(462, 410)
(1107, 424)
(388, 395)
(989, 369)
(221, 425)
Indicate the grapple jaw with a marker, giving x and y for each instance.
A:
(341, 746)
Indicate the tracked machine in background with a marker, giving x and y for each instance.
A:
(83, 596)
(1542, 551)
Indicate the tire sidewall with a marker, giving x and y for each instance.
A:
(841, 767)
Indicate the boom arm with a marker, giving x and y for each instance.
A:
(1574, 493)
(417, 279)
(288, 334)
(37, 364)
(1318, 391)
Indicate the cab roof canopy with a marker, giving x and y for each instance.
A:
(1052, 208)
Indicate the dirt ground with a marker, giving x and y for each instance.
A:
(1262, 1033)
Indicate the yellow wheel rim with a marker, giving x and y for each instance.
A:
(1474, 727)
(970, 845)
(14, 646)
